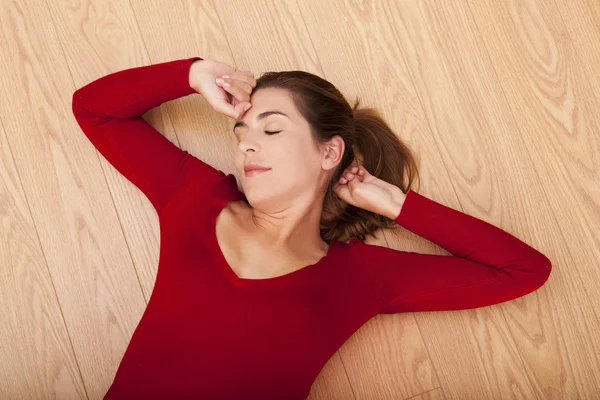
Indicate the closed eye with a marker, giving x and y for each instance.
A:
(271, 132)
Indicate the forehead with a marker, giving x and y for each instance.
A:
(266, 102)
(271, 96)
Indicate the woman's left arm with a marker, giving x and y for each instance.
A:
(487, 266)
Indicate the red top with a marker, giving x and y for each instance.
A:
(207, 333)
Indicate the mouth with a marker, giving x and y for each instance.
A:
(254, 172)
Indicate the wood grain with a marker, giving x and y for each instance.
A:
(499, 101)
(557, 114)
(435, 394)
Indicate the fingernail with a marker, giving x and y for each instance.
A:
(246, 107)
(219, 80)
(225, 76)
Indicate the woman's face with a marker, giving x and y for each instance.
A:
(295, 160)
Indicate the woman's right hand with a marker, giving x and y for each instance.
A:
(227, 100)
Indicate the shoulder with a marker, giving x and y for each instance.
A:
(208, 191)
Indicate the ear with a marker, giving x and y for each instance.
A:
(333, 152)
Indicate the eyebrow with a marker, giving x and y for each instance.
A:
(260, 116)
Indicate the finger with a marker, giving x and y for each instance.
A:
(360, 171)
(244, 71)
(236, 91)
(240, 109)
(247, 79)
(239, 79)
(223, 107)
(248, 73)
(238, 85)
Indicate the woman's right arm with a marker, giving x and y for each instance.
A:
(109, 111)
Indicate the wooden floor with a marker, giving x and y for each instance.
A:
(499, 99)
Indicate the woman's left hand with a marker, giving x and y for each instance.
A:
(359, 188)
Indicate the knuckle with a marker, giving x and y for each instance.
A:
(248, 86)
(242, 94)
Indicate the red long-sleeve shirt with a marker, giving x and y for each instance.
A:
(209, 334)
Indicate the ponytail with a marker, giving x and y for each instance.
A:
(386, 157)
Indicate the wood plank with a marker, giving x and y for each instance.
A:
(582, 23)
(35, 340)
(87, 254)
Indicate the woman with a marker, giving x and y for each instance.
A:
(256, 290)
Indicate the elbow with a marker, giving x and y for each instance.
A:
(76, 103)
(540, 271)
(545, 269)
(78, 106)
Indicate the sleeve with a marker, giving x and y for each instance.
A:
(109, 111)
(487, 266)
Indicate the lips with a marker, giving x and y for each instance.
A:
(255, 167)
(255, 172)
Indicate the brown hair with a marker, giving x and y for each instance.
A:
(368, 141)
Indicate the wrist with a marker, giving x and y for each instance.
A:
(194, 72)
(397, 201)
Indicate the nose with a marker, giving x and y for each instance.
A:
(247, 143)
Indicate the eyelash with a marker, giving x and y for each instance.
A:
(269, 133)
